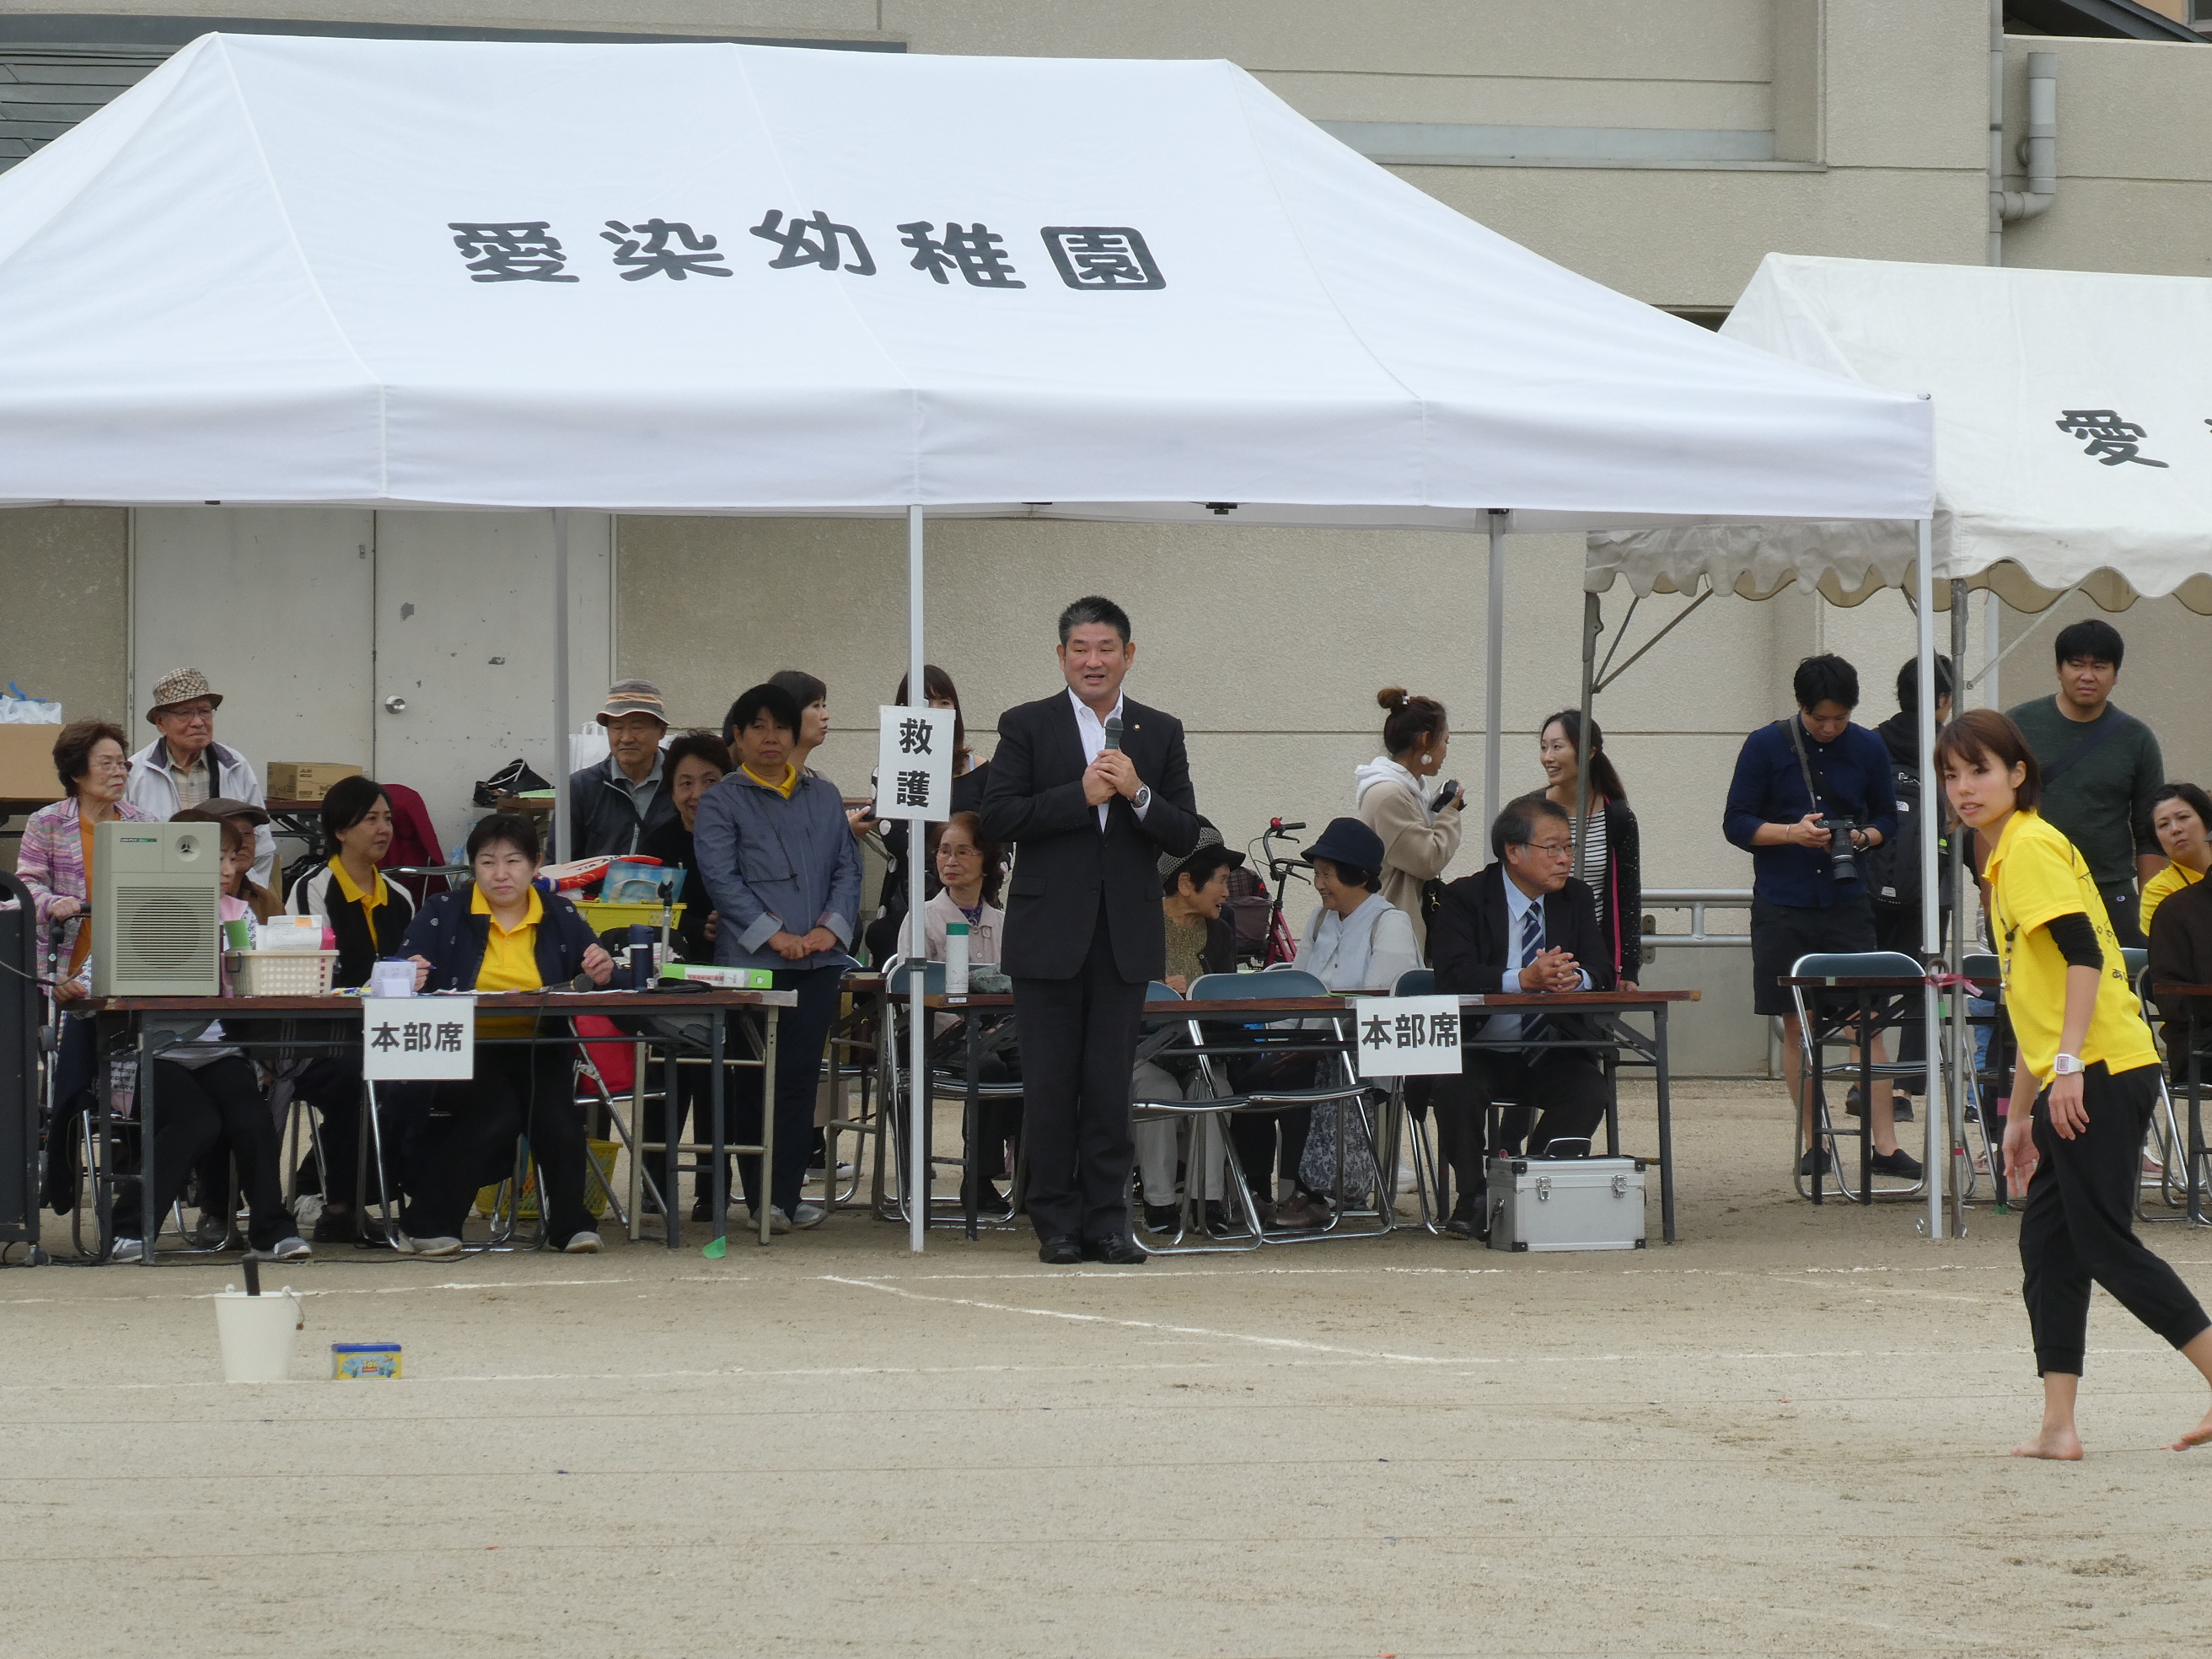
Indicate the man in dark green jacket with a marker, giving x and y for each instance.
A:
(2100, 768)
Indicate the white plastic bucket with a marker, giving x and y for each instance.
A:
(258, 1334)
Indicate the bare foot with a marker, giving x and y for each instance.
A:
(2199, 1436)
(2063, 1445)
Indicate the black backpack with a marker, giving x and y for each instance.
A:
(1892, 869)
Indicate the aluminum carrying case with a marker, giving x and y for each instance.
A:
(1566, 1203)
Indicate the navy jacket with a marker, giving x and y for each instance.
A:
(1853, 776)
(451, 938)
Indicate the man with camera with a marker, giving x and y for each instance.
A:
(1811, 795)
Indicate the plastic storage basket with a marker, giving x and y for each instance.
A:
(281, 973)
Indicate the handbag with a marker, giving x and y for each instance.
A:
(515, 777)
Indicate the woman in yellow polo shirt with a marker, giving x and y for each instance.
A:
(501, 933)
(2181, 813)
(2087, 1064)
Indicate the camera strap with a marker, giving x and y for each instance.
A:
(1804, 765)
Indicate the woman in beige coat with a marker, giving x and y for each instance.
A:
(1392, 795)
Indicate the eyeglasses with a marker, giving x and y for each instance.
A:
(191, 714)
(1556, 848)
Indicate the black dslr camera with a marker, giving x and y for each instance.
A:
(1842, 857)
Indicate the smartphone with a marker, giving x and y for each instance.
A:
(1446, 795)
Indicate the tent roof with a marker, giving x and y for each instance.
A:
(2073, 423)
(318, 271)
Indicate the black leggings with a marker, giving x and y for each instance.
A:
(195, 1107)
(2078, 1224)
(516, 1091)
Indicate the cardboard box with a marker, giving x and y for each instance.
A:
(26, 763)
(306, 780)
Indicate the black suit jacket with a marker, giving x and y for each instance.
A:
(1471, 941)
(1033, 802)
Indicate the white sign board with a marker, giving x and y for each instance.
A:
(1406, 1036)
(913, 763)
(406, 1038)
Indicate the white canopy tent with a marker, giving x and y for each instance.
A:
(713, 279)
(2074, 441)
(2073, 417)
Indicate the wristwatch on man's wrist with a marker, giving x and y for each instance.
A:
(2066, 1066)
(1143, 797)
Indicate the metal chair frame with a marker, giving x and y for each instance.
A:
(894, 1202)
(1351, 1095)
(1873, 1010)
(1209, 1141)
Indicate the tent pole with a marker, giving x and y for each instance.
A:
(918, 1098)
(1494, 674)
(1937, 1117)
(1992, 645)
(558, 839)
(1592, 622)
(1959, 1054)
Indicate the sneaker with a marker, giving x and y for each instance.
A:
(1302, 1210)
(128, 1249)
(1903, 1114)
(1900, 1164)
(808, 1214)
(584, 1243)
(285, 1250)
(335, 1226)
(407, 1245)
(307, 1211)
(1827, 1164)
(778, 1222)
(209, 1232)
(1162, 1218)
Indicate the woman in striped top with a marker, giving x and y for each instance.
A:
(1611, 860)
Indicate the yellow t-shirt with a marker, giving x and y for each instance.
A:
(369, 902)
(2161, 887)
(2036, 875)
(510, 963)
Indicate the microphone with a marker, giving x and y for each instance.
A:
(1112, 730)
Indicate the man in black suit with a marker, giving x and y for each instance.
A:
(1089, 821)
(1524, 924)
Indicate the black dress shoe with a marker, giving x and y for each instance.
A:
(1116, 1250)
(1061, 1250)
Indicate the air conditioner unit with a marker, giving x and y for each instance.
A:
(155, 920)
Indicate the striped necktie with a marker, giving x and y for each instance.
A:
(1532, 946)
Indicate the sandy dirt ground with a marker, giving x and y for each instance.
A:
(1786, 1433)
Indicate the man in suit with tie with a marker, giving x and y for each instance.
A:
(1089, 789)
(1524, 924)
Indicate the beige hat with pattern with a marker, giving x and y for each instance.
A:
(181, 685)
(634, 697)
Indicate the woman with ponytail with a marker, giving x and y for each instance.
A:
(1396, 795)
(1612, 858)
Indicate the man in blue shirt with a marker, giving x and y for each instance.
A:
(1798, 903)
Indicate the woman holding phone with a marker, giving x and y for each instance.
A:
(2083, 1088)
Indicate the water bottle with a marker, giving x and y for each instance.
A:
(956, 959)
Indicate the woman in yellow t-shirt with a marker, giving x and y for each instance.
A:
(2087, 1064)
(2181, 813)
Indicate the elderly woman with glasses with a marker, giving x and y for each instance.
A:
(185, 767)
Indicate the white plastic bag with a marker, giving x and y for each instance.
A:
(16, 709)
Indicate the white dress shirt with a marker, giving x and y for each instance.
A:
(1504, 1028)
(1092, 731)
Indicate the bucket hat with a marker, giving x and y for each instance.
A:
(181, 685)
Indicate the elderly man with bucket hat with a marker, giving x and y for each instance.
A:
(185, 767)
(614, 807)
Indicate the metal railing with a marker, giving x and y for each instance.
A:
(1698, 900)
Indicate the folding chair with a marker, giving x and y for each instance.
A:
(2167, 1146)
(942, 1083)
(1403, 1129)
(1869, 1010)
(1350, 1096)
(1210, 1149)
(1986, 1079)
